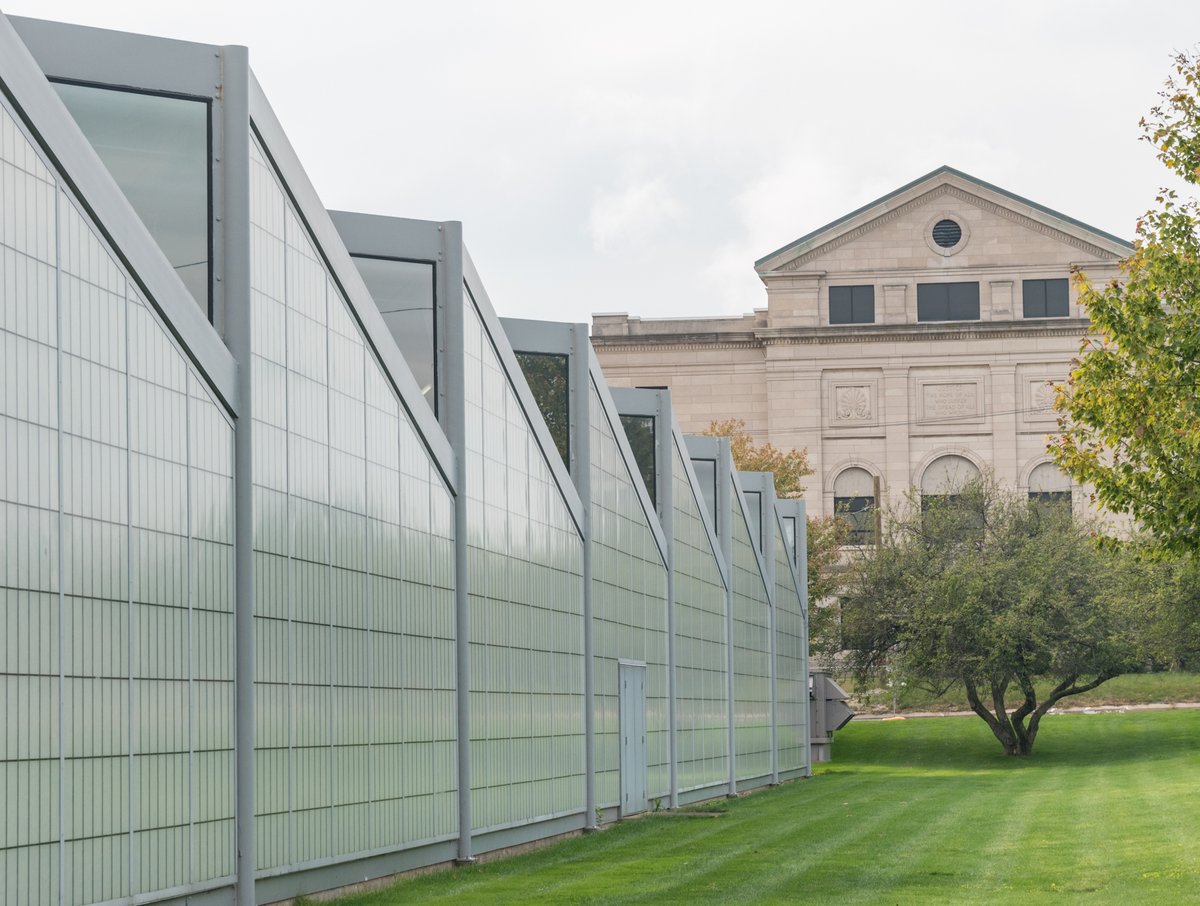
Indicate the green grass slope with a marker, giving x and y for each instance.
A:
(918, 811)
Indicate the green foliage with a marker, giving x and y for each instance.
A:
(790, 467)
(986, 589)
(1165, 596)
(1130, 412)
(549, 382)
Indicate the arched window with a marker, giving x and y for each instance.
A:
(1048, 485)
(854, 501)
(945, 477)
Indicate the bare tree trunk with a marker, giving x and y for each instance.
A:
(977, 705)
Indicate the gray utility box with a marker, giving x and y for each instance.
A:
(828, 709)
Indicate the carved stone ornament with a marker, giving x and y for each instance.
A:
(852, 404)
(1041, 399)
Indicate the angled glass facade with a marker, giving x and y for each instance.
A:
(701, 675)
(629, 610)
(526, 601)
(353, 548)
(791, 659)
(117, 571)
(751, 650)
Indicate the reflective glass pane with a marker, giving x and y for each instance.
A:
(548, 377)
(640, 431)
(706, 473)
(754, 505)
(156, 148)
(789, 532)
(403, 292)
(859, 512)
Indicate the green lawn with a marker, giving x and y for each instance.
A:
(1130, 689)
(916, 811)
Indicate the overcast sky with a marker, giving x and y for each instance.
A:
(639, 157)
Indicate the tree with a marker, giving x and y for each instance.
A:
(1165, 593)
(995, 592)
(789, 467)
(1130, 412)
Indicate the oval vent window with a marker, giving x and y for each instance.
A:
(947, 233)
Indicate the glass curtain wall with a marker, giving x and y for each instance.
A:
(526, 603)
(117, 577)
(791, 664)
(629, 611)
(701, 707)
(354, 571)
(751, 649)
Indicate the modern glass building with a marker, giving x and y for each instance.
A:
(307, 576)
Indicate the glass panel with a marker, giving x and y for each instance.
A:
(851, 305)
(859, 512)
(754, 505)
(947, 301)
(706, 474)
(789, 532)
(1034, 298)
(1057, 298)
(403, 292)
(840, 305)
(964, 301)
(548, 377)
(639, 429)
(156, 148)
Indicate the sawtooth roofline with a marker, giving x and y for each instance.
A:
(940, 171)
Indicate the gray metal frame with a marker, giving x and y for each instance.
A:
(159, 65)
(24, 82)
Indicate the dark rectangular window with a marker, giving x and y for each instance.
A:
(859, 513)
(639, 429)
(1046, 298)
(156, 147)
(706, 474)
(548, 377)
(1051, 498)
(851, 305)
(403, 293)
(947, 301)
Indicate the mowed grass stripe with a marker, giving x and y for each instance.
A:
(920, 811)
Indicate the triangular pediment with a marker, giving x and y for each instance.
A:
(895, 232)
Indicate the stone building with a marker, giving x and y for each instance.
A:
(906, 344)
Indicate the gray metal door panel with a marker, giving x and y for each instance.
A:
(631, 679)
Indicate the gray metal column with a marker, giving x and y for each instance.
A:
(579, 411)
(772, 517)
(450, 288)
(664, 472)
(802, 576)
(725, 504)
(235, 108)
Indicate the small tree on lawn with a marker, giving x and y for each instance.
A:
(989, 590)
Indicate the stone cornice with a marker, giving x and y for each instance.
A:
(955, 192)
(857, 333)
